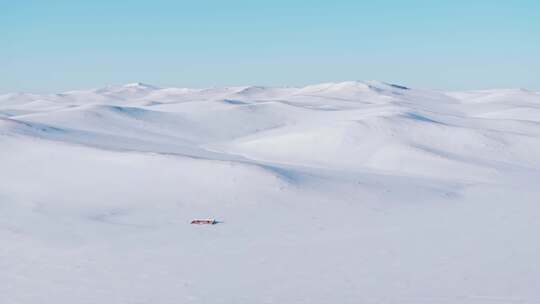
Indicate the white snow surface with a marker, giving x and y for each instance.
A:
(352, 192)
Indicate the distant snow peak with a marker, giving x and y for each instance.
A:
(326, 86)
(140, 85)
(251, 90)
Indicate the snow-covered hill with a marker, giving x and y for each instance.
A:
(352, 192)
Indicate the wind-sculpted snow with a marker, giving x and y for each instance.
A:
(352, 192)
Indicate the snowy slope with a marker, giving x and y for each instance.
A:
(352, 192)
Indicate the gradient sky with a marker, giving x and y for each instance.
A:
(51, 46)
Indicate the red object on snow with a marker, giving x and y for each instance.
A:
(203, 221)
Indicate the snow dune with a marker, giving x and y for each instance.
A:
(352, 192)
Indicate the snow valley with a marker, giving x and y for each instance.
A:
(351, 192)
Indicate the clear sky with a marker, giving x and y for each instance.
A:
(51, 46)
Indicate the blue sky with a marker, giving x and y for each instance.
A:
(51, 46)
